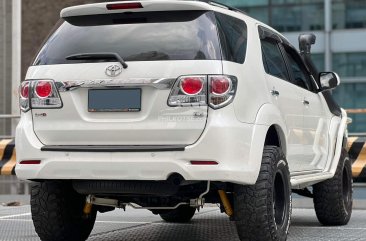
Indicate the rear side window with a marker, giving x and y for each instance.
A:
(148, 36)
(233, 37)
(273, 60)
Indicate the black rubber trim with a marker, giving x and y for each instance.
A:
(153, 148)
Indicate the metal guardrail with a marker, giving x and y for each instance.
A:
(9, 116)
(6, 117)
(356, 111)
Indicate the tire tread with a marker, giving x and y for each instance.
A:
(328, 196)
(252, 207)
(56, 213)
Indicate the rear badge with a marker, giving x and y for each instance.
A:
(113, 70)
(40, 115)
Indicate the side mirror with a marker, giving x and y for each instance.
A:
(328, 81)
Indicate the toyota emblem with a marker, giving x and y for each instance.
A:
(113, 70)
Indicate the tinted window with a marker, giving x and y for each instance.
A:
(149, 36)
(301, 77)
(273, 60)
(233, 37)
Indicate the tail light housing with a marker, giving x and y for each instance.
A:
(217, 91)
(222, 90)
(39, 94)
(189, 91)
(24, 96)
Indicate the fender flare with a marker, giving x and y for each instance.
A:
(342, 132)
(268, 115)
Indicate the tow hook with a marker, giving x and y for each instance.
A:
(226, 203)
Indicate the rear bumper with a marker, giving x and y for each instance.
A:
(236, 146)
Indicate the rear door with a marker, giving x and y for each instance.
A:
(287, 98)
(158, 47)
(316, 122)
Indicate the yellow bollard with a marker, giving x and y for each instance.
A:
(225, 201)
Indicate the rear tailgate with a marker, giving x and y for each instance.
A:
(155, 124)
(158, 47)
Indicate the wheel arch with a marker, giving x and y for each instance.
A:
(274, 133)
(269, 115)
(276, 137)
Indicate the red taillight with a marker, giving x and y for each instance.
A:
(215, 90)
(43, 89)
(30, 162)
(220, 85)
(24, 90)
(191, 85)
(120, 6)
(222, 90)
(204, 163)
(39, 94)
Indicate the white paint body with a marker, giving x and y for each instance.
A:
(233, 136)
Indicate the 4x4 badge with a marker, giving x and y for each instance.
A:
(113, 70)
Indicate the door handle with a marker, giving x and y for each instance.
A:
(275, 93)
(306, 102)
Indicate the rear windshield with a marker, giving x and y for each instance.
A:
(149, 36)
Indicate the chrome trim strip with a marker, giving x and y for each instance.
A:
(163, 83)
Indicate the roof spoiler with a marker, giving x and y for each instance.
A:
(134, 6)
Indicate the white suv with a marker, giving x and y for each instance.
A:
(168, 105)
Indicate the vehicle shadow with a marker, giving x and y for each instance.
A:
(199, 229)
(210, 226)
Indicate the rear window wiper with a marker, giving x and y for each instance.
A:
(98, 56)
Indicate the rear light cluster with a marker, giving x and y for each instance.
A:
(215, 90)
(39, 94)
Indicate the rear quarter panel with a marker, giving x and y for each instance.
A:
(252, 87)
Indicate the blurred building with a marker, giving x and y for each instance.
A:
(24, 24)
(340, 26)
(5, 64)
(38, 19)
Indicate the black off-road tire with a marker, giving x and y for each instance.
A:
(182, 214)
(57, 212)
(333, 198)
(263, 211)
